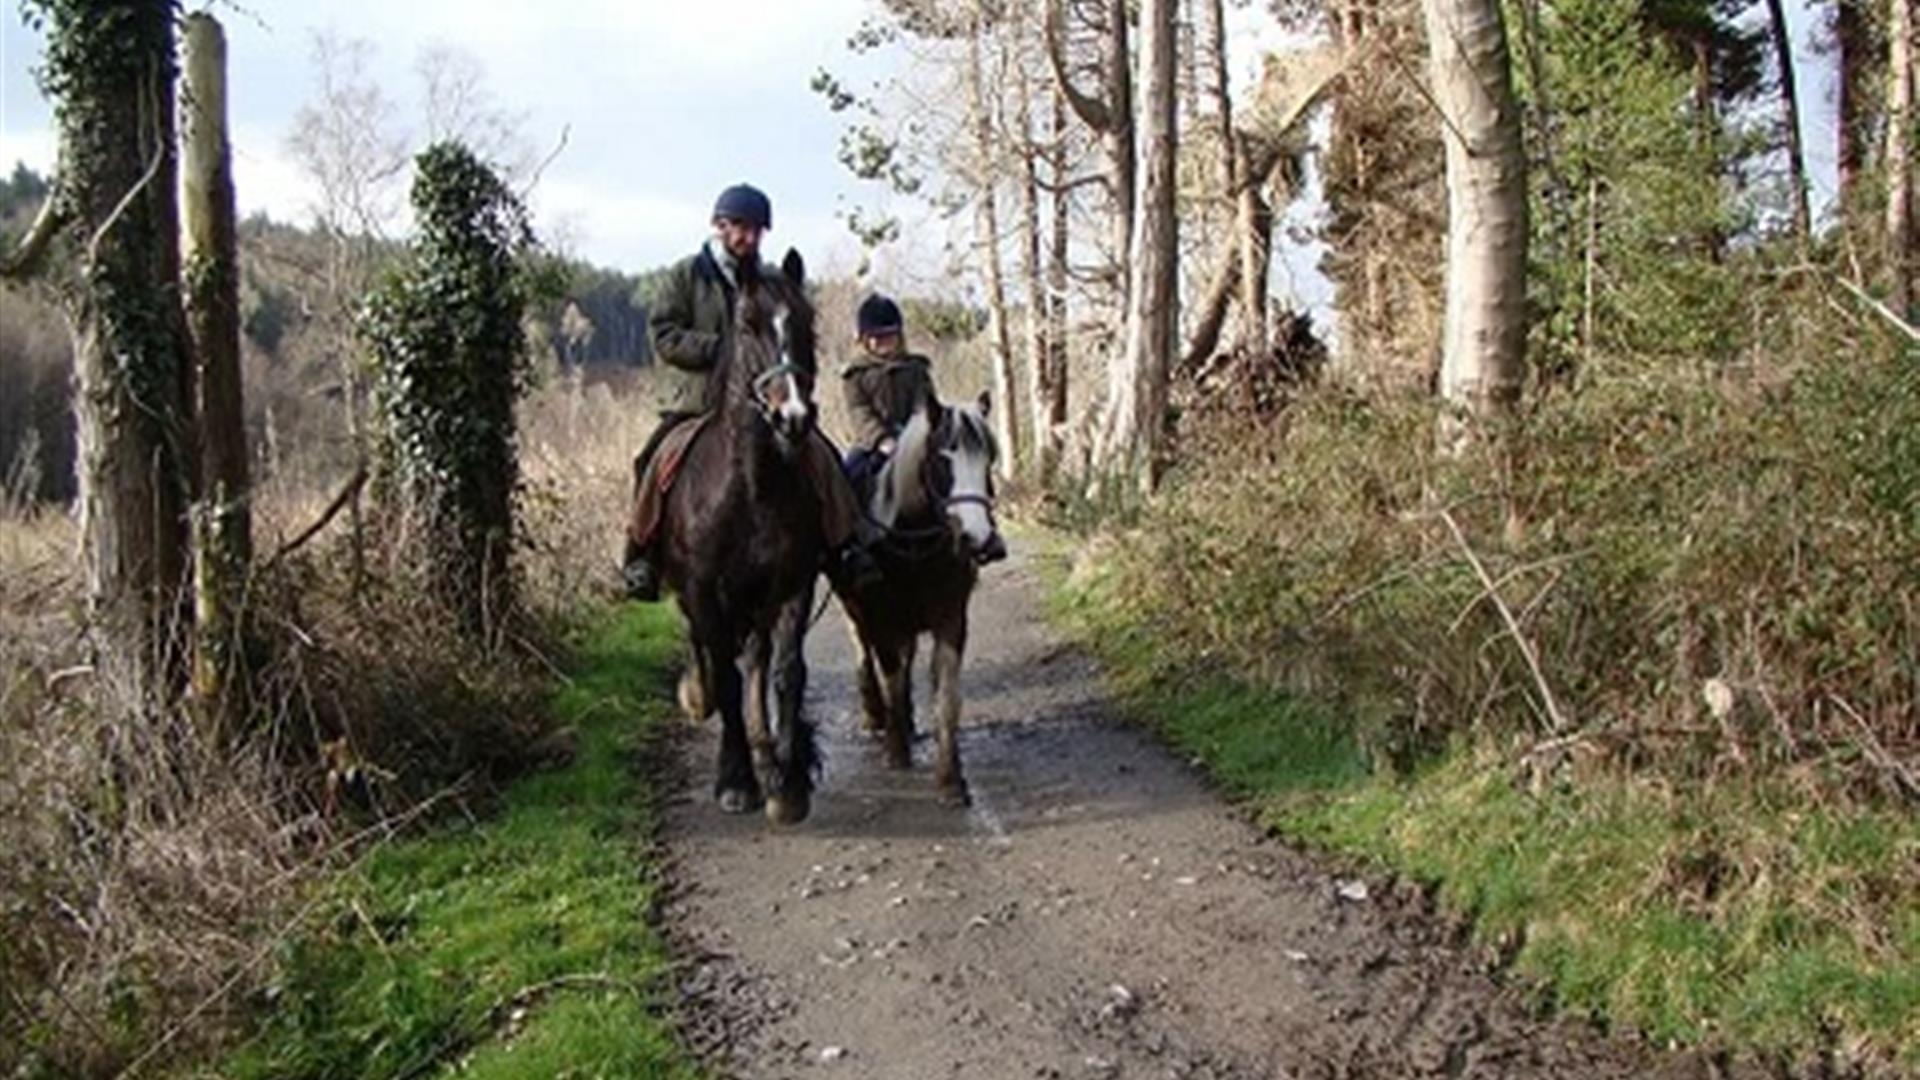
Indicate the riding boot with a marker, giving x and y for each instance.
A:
(642, 581)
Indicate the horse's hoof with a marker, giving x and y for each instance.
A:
(738, 801)
(956, 794)
(789, 810)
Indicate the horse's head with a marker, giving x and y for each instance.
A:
(773, 363)
(951, 451)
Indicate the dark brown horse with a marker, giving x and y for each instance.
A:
(741, 542)
(934, 502)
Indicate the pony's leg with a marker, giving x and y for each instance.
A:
(949, 649)
(896, 685)
(734, 785)
(873, 703)
(797, 750)
(696, 701)
(866, 671)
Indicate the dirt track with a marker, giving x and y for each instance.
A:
(1097, 913)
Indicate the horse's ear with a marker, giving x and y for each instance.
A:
(986, 402)
(794, 267)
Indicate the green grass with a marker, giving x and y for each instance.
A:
(1748, 915)
(517, 946)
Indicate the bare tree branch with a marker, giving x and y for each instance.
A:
(32, 249)
(1091, 111)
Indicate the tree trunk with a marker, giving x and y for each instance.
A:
(1054, 433)
(1132, 440)
(1900, 124)
(1119, 139)
(1006, 418)
(1790, 106)
(113, 67)
(223, 542)
(1213, 29)
(1256, 257)
(1483, 342)
(1037, 307)
(1853, 44)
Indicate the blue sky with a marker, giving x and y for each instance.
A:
(666, 103)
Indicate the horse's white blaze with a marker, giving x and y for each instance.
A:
(794, 407)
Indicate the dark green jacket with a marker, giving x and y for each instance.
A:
(882, 394)
(689, 319)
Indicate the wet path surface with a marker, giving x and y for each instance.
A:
(1098, 912)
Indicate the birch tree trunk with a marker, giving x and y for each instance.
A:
(1900, 124)
(223, 542)
(1132, 440)
(1030, 272)
(1059, 248)
(1006, 418)
(1484, 337)
(114, 68)
(1790, 106)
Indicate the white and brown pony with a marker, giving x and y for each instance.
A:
(933, 505)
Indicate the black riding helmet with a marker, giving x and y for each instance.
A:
(744, 202)
(877, 315)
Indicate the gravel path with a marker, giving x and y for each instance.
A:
(1099, 912)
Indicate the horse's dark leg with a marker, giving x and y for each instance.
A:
(896, 685)
(949, 649)
(756, 657)
(734, 784)
(799, 754)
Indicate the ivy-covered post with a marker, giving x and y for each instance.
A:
(450, 355)
(109, 69)
(223, 534)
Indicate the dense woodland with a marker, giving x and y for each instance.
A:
(1590, 540)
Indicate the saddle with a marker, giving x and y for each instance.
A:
(651, 488)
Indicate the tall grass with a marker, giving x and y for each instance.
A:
(1635, 683)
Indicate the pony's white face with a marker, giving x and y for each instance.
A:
(967, 454)
(969, 457)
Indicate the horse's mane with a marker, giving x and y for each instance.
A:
(898, 491)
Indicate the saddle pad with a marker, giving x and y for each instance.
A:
(673, 451)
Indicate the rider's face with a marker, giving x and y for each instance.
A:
(741, 239)
(884, 344)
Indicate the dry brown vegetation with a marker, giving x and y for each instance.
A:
(150, 874)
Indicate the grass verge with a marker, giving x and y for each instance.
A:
(1751, 913)
(515, 946)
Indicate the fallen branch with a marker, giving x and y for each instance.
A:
(1903, 779)
(1879, 308)
(347, 493)
(1555, 717)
